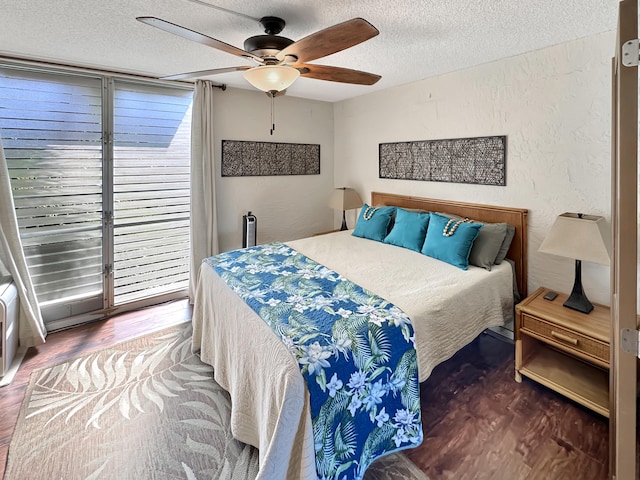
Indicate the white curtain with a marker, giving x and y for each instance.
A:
(31, 328)
(204, 223)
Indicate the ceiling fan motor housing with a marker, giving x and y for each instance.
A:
(270, 44)
(266, 45)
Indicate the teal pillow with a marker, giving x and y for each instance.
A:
(409, 230)
(373, 222)
(454, 249)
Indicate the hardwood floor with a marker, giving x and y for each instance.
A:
(479, 424)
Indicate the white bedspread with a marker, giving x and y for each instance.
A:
(448, 307)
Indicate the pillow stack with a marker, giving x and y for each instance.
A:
(449, 238)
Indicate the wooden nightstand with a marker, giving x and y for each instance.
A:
(563, 349)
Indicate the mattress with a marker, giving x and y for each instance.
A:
(448, 307)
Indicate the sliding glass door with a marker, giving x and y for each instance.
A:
(100, 176)
(151, 191)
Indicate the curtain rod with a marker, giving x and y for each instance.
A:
(40, 64)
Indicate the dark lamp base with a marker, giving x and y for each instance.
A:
(578, 300)
(344, 222)
(581, 304)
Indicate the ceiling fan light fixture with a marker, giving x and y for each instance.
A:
(271, 78)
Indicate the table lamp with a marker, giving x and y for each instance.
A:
(344, 198)
(581, 237)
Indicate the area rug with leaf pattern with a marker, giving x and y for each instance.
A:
(144, 409)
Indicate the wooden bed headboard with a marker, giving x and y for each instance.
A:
(485, 213)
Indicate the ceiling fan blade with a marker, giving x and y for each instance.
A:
(197, 37)
(330, 40)
(205, 73)
(337, 74)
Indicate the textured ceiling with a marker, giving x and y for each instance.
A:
(418, 39)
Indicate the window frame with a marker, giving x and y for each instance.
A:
(63, 315)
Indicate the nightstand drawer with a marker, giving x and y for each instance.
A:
(568, 339)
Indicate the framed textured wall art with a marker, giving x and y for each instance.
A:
(480, 160)
(244, 159)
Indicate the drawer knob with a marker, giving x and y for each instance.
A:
(564, 338)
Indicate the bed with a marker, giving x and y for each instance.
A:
(270, 399)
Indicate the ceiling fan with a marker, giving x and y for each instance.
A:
(281, 60)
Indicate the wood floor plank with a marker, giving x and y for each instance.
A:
(560, 461)
(478, 423)
(497, 464)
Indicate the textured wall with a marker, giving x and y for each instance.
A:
(287, 207)
(554, 107)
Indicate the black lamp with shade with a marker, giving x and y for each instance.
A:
(344, 198)
(583, 238)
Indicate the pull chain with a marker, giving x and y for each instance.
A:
(273, 111)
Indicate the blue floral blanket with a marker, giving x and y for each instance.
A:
(355, 350)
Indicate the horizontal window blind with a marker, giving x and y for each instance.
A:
(151, 190)
(51, 129)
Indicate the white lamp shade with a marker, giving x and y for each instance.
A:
(577, 236)
(271, 78)
(345, 199)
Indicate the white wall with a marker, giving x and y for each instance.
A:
(287, 207)
(554, 107)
